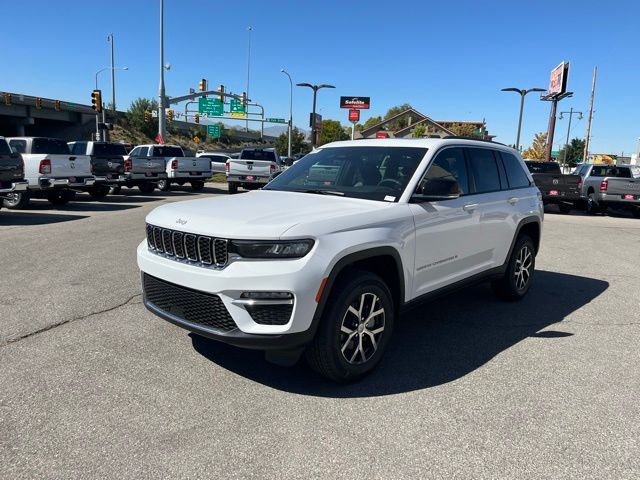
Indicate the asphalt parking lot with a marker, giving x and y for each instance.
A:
(94, 386)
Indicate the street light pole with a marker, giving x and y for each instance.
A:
(566, 143)
(315, 89)
(249, 29)
(113, 74)
(290, 110)
(523, 93)
(161, 91)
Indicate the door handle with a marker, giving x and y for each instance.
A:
(470, 207)
(513, 200)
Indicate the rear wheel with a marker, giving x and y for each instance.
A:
(516, 281)
(592, 205)
(115, 190)
(16, 200)
(99, 192)
(564, 208)
(355, 328)
(164, 185)
(233, 188)
(60, 197)
(197, 185)
(147, 187)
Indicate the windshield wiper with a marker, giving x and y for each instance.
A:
(323, 192)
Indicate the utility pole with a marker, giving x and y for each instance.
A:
(161, 92)
(566, 143)
(113, 75)
(593, 93)
(250, 29)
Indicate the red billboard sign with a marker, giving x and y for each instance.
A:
(558, 79)
(355, 102)
(354, 116)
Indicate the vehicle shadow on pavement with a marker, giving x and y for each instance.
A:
(436, 343)
(26, 218)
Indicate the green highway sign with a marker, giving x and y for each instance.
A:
(210, 106)
(275, 120)
(213, 131)
(236, 108)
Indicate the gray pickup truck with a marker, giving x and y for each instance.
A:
(610, 186)
(556, 188)
(143, 170)
(11, 172)
(107, 164)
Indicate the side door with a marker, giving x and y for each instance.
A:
(447, 231)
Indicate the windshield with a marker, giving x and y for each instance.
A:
(543, 167)
(257, 154)
(109, 149)
(167, 152)
(51, 146)
(373, 173)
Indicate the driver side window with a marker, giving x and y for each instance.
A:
(448, 165)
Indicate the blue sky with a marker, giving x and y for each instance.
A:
(448, 59)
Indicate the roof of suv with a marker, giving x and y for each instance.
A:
(418, 142)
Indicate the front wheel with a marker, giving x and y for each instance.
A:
(16, 200)
(164, 185)
(197, 185)
(147, 187)
(354, 329)
(516, 281)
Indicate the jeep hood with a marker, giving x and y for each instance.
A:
(263, 214)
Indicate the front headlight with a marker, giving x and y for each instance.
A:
(271, 249)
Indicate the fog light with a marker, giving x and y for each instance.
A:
(267, 295)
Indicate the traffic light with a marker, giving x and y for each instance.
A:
(196, 118)
(169, 114)
(38, 103)
(7, 99)
(243, 97)
(221, 90)
(96, 100)
(56, 105)
(147, 117)
(203, 85)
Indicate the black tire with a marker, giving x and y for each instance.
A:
(164, 185)
(564, 208)
(16, 200)
(115, 190)
(361, 291)
(636, 213)
(197, 185)
(516, 281)
(58, 197)
(233, 188)
(147, 187)
(99, 192)
(592, 207)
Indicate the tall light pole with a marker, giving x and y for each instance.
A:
(315, 89)
(113, 74)
(290, 110)
(249, 29)
(161, 92)
(571, 113)
(523, 93)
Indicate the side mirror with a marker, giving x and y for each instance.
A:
(436, 189)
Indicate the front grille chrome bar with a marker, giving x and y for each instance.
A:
(188, 247)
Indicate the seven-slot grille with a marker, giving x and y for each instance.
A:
(208, 251)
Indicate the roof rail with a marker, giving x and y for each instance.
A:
(461, 137)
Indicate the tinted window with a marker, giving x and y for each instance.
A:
(4, 148)
(108, 149)
(52, 146)
(449, 164)
(373, 173)
(143, 152)
(484, 170)
(167, 151)
(516, 176)
(19, 146)
(216, 158)
(135, 152)
(610, 171)
(257, 154)
(542, 167)
(78, 148)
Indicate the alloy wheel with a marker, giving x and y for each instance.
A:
(524, 262)
(362, 328)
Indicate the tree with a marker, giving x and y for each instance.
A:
(419, 131)
(464, 130)
(371, 121)
(332, 131)
(392, 112)
(298, 144)
(135, 116)
(538, 150)
(570, 156)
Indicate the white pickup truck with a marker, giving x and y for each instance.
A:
(179, 168)
(51, 171)
(254, 168)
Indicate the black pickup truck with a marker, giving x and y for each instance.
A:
(556, 188)
(11, 172)
(107, 164)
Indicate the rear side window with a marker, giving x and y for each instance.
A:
(484, 169)
(109, 149)
(51, 146)
(516, 175)
(18, 146)
(449, 164)
(258, 155)
(143, 152)
(79, 148)
(167, 152)
(4, 148)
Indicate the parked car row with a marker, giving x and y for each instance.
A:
(591, 187)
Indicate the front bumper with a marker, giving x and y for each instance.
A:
(15, 187)
(301, 277)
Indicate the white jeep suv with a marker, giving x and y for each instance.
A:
(324, 258)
